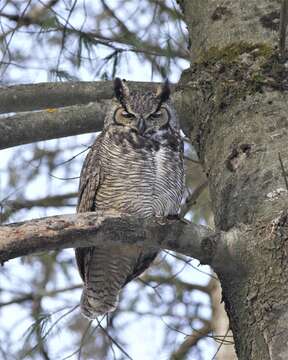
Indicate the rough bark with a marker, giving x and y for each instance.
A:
(108, 228)
(236, 101)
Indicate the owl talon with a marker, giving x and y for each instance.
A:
(173, 217)
(161, 220)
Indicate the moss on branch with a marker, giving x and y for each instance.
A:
(231, 53)
(251, 66)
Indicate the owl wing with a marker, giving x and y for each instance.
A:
(89, 184)
(89, 180)
(143, 262)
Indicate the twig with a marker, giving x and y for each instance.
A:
(74, 156)
(191, 341)
(192, 198)
(177, 282)
(188, 262)
(114, 341)
(221, 344)
(78, 351)
(30, 351)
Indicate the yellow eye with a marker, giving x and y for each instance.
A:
(159, 118)
(123, 117)
(127, 114)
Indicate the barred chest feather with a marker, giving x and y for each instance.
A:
(140, 175)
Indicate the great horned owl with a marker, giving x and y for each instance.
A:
(135, 167)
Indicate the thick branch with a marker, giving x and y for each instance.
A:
(53, 95)
(98, 228)
(52, 123)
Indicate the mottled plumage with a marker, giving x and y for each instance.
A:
(136, 167)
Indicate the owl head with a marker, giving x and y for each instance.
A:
(142, 111)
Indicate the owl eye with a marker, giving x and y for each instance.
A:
(127, 115)
(123, 117)
(158, 119)
(156, 114)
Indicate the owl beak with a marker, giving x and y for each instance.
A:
(141, 126)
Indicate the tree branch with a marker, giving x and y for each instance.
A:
(178, 283)
(191, 341)
(110, 228)
(18, 98)
(52, 123)
(40, 294)
(52, 200)
(10, 207)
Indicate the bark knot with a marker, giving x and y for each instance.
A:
(208, 246)
(271, 20)
(220, 12)
(281, 226)
(238, 155)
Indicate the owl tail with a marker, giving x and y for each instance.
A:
(106, 274)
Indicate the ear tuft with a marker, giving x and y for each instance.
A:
(121, 90)
(163, 92)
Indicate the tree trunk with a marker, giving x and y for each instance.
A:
(236, 101)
